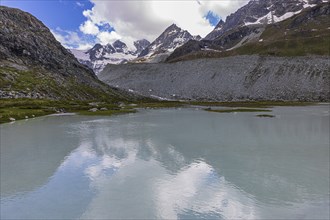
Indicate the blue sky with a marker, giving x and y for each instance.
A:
(81, 24)
(213, 18)
(65, 14)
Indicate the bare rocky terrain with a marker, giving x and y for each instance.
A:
(240, 78)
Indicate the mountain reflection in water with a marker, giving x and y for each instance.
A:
(168, 164)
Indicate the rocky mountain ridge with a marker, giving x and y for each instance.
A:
(302, 34)
(99, 56)
(33, 64)
(261, 12)
(172, 38)
(241, 27)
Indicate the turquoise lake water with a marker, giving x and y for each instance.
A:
(168, 164)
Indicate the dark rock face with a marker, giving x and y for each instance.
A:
(98, 51)
(216, 31)
(197, 37)
(171, 38)
(25, 39)
(141, 45)
(256, 9)
(27, 47)
(119, 46)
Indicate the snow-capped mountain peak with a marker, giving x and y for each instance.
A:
(100, 55)
(167, 42)
(141, 45)
(261, 12)
(120, 47)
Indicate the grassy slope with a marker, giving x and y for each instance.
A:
(55, 87)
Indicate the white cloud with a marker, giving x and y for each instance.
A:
(108, 37)
(147, 19)
(71, 39)
(223, 8)
(133, 20)
(84, 46)
(88, 27)
(58, 37)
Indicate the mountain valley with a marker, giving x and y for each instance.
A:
(263, 51)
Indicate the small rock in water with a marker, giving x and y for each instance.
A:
(26, 117)
(33, 116)
(93, 109)
(12, 119)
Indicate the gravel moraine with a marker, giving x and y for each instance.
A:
(227, 79)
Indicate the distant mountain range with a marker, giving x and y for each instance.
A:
(286, 60)
(241, 27)
(118, 53)
(34, 65)
(100, 55)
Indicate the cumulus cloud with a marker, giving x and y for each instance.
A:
(147, 19)
(84, 46)
(134, 20)
(108, 37)
(72, 40)
(88, 27)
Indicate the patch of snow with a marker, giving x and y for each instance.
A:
(80, 54)
(285, 16)
(218, 29)
(259, 21)
(179, 40)
(172, 32)
(306, 4)
(98, 53)
(270, 18)
(119, 56)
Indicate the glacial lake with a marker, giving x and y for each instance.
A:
(168, 164)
